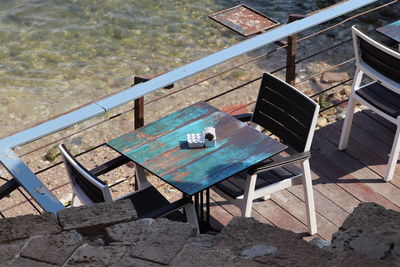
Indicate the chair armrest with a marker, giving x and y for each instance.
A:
(272, 164)
(165, 210)
(110, 165)
(244, 117)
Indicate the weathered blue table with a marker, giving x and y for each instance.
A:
(392, 31)
(160, 147)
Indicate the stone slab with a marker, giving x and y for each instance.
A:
(28, 225)
(89, 255)
(10, 249)
(154, 240)
(53, 249)
(89, 219)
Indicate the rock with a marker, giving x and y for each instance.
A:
(321, 243)
(372, 232)
(257, 251)
(341, 116)
(52, 153)
(291, 250)
(332, 77)
(369, 213)
(322, 122)
(54, 249)
(28, 225)
(346, 91)
(92, 218)
(154, 240)
(66, 199)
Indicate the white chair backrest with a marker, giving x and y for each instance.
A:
(86, 187)
(376, 60)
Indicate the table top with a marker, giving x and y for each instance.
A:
(161, 148)
(391, 30)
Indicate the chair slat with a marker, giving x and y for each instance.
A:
(380, 61)
(286, 119)
(284, 111)
(287, 136)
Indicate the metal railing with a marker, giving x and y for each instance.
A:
(46, 200)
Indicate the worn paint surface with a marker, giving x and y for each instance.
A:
(244, 20)
(391, 30)
(161, 148)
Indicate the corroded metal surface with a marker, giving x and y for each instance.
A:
(161, 148)
(391, 30)
(244, 20)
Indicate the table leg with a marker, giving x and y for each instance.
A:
(202, 207)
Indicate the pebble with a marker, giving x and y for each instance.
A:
(322, 122)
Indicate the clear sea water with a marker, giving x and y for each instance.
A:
(58, 54)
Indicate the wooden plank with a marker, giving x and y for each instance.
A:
(369, 150)
(233, 210)
(391, 126)
(279, 216)
(322, 169)
(327, 208)
(374, 127)
(351, 175)
(297, 208)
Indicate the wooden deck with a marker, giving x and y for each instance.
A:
(341, 179)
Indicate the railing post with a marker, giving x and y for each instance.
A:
(139, 104)
(291, 52)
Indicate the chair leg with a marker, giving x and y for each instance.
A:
(141, 177)
(309, 198)
(248, 195)
(344, 137)
(394, 155)
(191, 216)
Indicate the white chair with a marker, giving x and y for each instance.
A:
(289, 114)
(381, 64)
(148, 202)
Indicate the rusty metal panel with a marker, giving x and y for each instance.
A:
(244, 20)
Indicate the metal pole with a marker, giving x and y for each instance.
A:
(139, 104)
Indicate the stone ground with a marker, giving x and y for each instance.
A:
(109, 234)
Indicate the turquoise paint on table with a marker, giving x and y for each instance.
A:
(154, 129)
(161, 148)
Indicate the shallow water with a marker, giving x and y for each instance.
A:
(58, 54)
